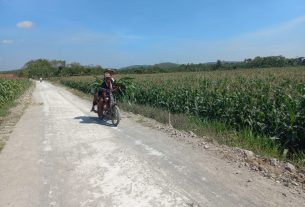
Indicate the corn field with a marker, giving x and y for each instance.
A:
(11, 89)
(269, 102)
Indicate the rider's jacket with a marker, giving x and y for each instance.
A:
(103, 87)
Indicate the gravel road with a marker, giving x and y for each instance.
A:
(59, 154)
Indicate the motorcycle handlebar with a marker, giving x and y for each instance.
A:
(109, 90)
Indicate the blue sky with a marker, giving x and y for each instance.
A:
(119, 33)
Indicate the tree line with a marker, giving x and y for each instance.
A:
(257, 62)
(57, 68)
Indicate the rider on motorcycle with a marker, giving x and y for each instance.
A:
(104, 91)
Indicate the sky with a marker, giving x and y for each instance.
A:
(120, 33)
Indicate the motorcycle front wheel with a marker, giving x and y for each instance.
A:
(115, 116)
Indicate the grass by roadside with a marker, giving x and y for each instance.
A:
(5, 109)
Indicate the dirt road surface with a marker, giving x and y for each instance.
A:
(59, 154)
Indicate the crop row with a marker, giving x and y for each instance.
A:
(10, 89)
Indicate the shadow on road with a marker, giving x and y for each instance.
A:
(92, 120)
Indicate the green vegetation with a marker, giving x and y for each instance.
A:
(254, 103)
(56, 68)
(125, 85)
(59, 68)
(257, 62)
(11, 89)
(268, 102)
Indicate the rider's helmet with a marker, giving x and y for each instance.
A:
(110, 71)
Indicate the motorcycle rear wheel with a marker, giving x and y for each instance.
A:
(100, 111)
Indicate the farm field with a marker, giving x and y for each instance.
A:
(11, 89)
(268, 102)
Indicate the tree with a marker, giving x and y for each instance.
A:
(218, 64)
(38, 68)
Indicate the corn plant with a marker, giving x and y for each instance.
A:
(10, 89)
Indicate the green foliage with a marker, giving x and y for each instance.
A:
(11, 89)
(257, 62)
(125, 86)
(270, 104)
(56, 68)
(59, 68)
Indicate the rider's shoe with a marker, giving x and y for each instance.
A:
(93, 110)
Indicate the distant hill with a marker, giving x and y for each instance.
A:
(222, 61)
(165, 65)
(135, 67)
(170, 65)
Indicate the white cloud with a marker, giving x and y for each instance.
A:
(7, 42)
(25, 24)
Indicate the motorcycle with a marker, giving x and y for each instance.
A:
(111, 110)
